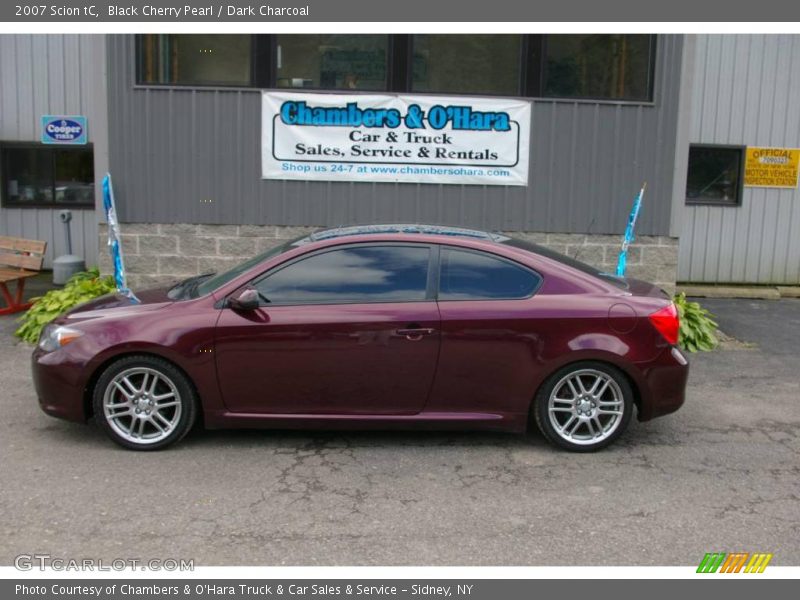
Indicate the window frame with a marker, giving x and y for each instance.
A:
(521, 90)
(433, 258)
(399, 72)
(261, 67)
(740, 183)
(273, 81)
(537, 74)
(4, 200)
(524, 267)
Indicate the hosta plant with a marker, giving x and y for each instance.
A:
(698, 328)
(81, 287)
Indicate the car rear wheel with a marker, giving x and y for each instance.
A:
(584, 406)
(144, 403)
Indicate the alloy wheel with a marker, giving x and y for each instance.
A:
(142, 405)
(585, 407)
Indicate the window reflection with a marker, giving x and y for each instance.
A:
(598, 66)
(369, 274)
(195, 59)
(39, 175)
(478, 276)
(332, 62)
(471, 64)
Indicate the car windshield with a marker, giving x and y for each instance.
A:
(220, 279)
(569, 261)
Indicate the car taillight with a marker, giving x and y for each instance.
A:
(665, 320)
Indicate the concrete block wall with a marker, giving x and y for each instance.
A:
(162, 253)
(653, 258)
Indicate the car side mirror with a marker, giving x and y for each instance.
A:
(246, 300)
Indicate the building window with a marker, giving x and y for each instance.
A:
(193, 59)
(332, 62)
(617, 67)
(597, 66)
(466, 64)
(714, 175)
(36, 176)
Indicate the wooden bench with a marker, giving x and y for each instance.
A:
(19, 259)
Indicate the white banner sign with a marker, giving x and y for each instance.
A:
(415, 139)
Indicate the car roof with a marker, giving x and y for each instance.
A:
(401, 228)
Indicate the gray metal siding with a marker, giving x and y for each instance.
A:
(172, 150)
(746, 91)
(52, 74)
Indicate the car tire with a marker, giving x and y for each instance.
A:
(144, 403)
(584, 406)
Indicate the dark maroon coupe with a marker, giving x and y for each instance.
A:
(373, 327)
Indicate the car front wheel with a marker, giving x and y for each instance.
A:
(584, 406)
(144, 403)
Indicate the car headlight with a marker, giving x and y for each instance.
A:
(54, 337)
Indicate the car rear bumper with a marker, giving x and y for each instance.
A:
(59, 382)
(663, 390)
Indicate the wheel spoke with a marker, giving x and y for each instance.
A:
(157, 425)
(574, 428)
(131, 388)
(163, 396)
(571, 385)
(129, 395)
(602, 390)
(158, 415)
(593, 387)
(145, 379)
(596, 420)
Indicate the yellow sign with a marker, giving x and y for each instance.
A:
(771, 167)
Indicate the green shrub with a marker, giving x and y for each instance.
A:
(81, 287)
(697, 326)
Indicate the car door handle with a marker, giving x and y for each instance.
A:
(415, 333)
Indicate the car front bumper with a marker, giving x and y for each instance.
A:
(60, 379)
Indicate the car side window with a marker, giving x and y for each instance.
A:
(468, 275)
(391, 273)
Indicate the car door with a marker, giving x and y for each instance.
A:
(346, 330)
(490, 337)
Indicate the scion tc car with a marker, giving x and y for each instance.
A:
(393, 326)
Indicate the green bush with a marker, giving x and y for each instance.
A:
(698, 329)
(81, 287)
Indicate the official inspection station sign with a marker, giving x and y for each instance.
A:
(64, 129)
(771, 167)
(413, 139)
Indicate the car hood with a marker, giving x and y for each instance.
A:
(117, 304)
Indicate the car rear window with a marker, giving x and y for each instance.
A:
(567, 260)
(471, 275)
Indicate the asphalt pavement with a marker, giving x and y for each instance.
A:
(722, 474)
